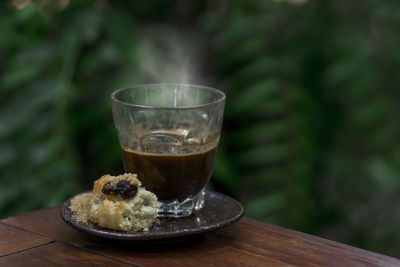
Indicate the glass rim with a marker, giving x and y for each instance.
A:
(202, 87)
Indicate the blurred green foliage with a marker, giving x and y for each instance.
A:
(311, 126)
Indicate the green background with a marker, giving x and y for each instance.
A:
(311, 128)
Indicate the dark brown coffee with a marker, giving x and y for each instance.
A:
(171, 176)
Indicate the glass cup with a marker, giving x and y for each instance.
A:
(169, 135)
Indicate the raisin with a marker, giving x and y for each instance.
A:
(130, 192)
(122, 185)
(124, 188)
(108, 189)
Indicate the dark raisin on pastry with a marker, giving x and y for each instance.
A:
(123, 188)
(108, 189)
(126, 189)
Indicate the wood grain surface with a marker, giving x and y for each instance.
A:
(14, 240)
(57, 254)
(246, 243)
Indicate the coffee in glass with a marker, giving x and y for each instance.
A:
(169, 135)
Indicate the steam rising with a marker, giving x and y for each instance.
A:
(167, 57)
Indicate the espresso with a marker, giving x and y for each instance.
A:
(171, 176)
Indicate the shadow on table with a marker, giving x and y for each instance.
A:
(154, 245)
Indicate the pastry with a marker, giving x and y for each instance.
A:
(119, 203)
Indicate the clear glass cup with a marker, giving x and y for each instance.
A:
(169, 135)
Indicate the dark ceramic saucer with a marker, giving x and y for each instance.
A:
(219, 211)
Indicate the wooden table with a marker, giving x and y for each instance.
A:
(41, 238)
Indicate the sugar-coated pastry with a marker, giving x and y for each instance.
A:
(120, 203)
